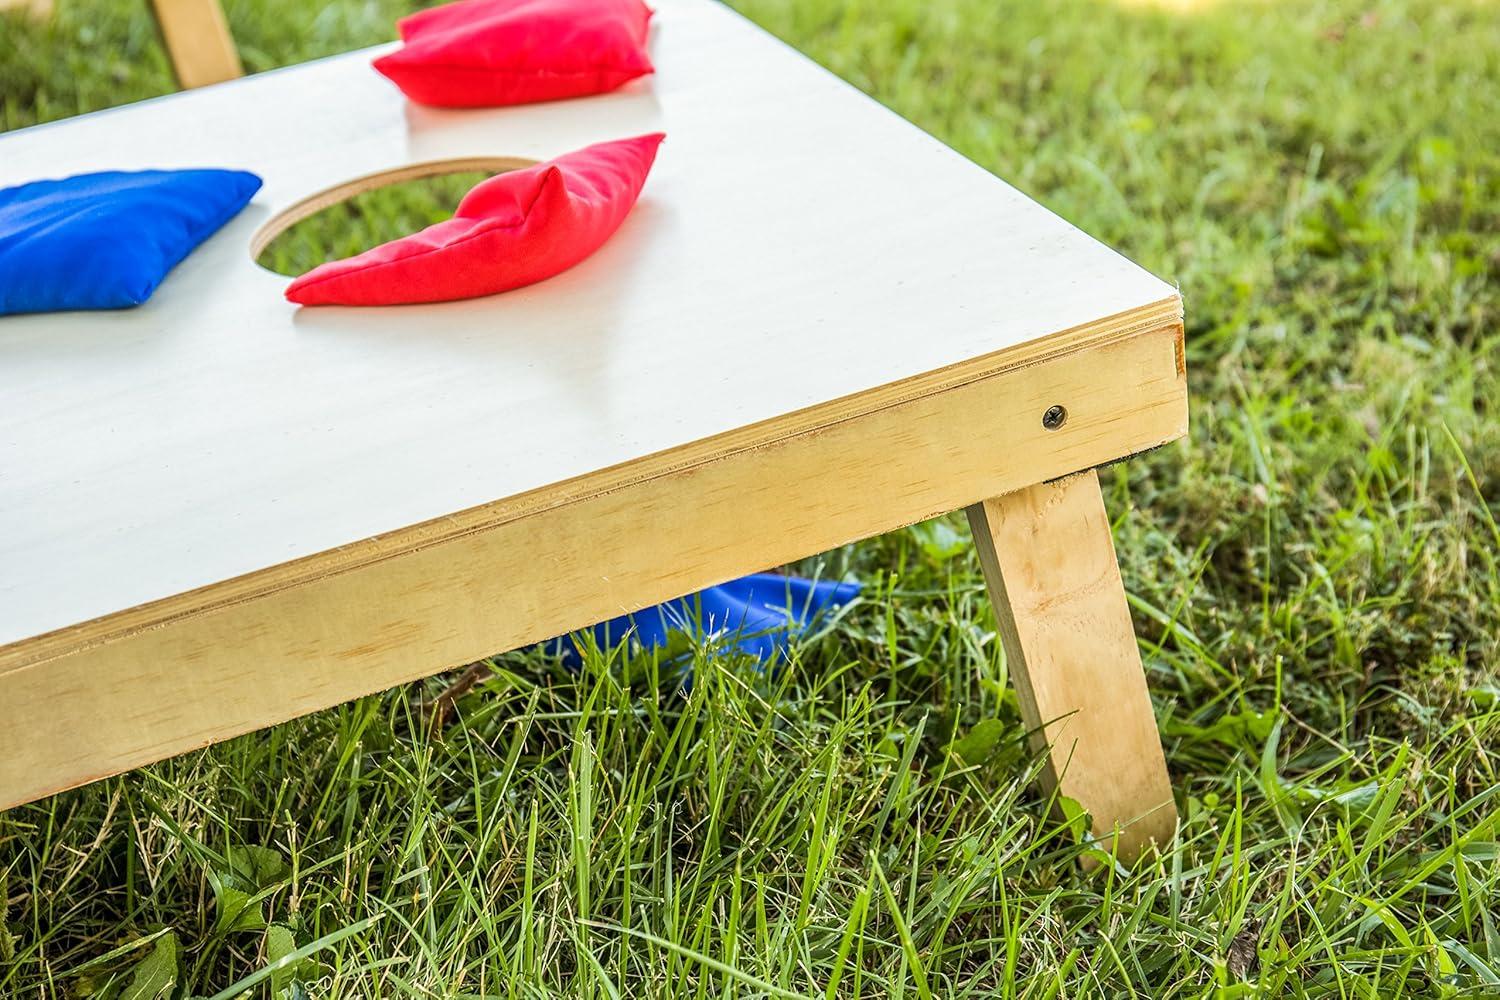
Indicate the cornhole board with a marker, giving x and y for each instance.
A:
(218, 511)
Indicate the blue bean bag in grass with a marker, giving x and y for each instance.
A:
(758, 615)
(106, 240)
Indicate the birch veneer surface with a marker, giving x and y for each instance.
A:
(800, 255)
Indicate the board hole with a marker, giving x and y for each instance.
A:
(352, 217)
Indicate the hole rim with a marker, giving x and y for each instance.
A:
(305, 208)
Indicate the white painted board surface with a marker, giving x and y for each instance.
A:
(796, 244)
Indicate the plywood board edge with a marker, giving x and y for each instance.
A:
(62, 642)
(215, 672)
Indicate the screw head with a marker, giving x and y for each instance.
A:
(1055, 417)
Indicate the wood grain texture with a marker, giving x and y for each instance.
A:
(1049, 560)
(762, 287)
(198, 42)
(184, 674)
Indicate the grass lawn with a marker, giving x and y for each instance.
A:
(1315, 577)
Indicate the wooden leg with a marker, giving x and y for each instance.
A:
(39, 9)
(198, 42)
(1050, 564)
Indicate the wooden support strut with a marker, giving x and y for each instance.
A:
(1050, 565)
(38, 9)
(198, 41)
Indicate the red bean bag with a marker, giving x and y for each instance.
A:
(511, 230)
(484, 53)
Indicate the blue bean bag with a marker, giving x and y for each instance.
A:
(758, 615)
(105, 241)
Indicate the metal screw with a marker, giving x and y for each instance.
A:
(1055, 417)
